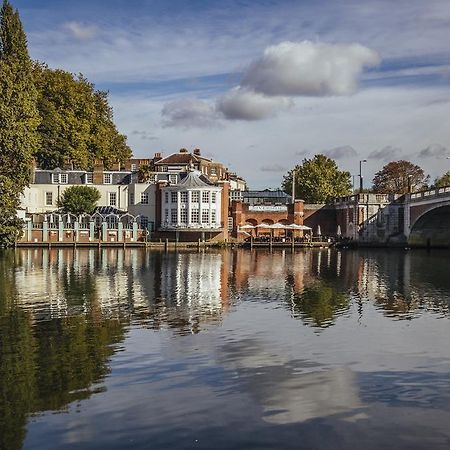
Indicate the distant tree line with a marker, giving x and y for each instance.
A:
(50, 115)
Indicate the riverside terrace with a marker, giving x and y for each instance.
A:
(107, 226)
(282, 235)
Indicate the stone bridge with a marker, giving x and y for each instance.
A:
(427, 218)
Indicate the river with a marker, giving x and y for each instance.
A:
(245, 349)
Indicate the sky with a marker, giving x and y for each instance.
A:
(261, 85)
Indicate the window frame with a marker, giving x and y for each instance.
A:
(112, 195)
(47, 194)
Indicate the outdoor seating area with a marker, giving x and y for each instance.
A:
(278, 230)
(280, 234)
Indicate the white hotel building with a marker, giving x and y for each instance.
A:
(192, 204)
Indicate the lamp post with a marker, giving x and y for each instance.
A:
(58, 171)
(360, 175)
(293, 186)
(353, 183)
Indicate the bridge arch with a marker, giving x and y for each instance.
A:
(431, 228)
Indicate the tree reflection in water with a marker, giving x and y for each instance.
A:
(47, 364)
(319, 304)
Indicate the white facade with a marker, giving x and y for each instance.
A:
(191, 204)
(41, 198)
(142, 202)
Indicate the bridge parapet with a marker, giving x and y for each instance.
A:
(438, 192)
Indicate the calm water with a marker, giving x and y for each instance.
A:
(246, 349)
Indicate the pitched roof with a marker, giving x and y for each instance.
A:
(193, 179)
(182, 158)
(178, 158)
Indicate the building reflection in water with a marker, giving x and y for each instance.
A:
(183, 289)
(151, 285)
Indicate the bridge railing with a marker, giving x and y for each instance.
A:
(430, 193)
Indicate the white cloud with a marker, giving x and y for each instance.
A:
(144, 135)
(345, 151)
(273, 168)
(292, 69)
(188, 112)
(388, 153)
(309, 69)
(434, 151)
(81, 31)
(244, 104)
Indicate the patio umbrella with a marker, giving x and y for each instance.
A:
(278, 226)
(319, 233)
(294, 226)
(338, 232)
(263, 225)
(246, 227)
(68, 218)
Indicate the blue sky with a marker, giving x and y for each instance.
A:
(260, 85)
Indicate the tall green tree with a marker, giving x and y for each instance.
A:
(77, 122)
(10, 224)
(318, 180)
(19, 118)
(79, 199)
(443, 181)
(397, 176)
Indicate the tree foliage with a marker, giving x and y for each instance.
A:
(11, 227)
(19, 119)
(77, 122)
(443, 181)
(396, 176)
(318, 180)
(144, 173)
(79, 199)
(46, 365)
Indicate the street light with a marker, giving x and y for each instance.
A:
(353, 182)
(360, 175)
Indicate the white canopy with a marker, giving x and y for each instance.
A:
(246, 227)
(294, 226)
(278, 226)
